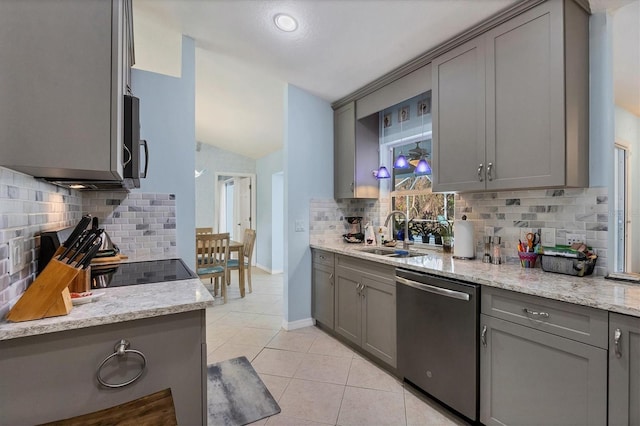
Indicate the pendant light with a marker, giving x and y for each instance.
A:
(422, 168)
(401, 162)
(382, 173)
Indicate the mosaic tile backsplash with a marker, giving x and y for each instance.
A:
(28, 207)
(327, 221)
(583, 210)
(142, 225)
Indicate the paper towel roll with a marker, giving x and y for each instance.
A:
(463, 246)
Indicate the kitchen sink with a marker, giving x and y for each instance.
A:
(391, 252)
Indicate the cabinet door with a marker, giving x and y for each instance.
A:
(531, 377)
(347, 304)
(60, 88)
(624, 370)
(379, 317)
(344, 145)
(525, 100)
(57, 371)
(458, 94)
(323, 294)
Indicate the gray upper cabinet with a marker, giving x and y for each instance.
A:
(63, 68)
(458, 118)
(624, 370)
(505, 117)
(356, 145)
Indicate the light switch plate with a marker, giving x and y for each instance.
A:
(576, 238)
(299, 225)
(16, 255)
(548, 237)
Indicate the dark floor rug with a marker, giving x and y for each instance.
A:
(236, 394)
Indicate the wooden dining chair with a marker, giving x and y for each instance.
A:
(243, 263)
(204, 231)
(212, 256)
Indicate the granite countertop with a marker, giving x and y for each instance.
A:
(592, 291)
(119, 304)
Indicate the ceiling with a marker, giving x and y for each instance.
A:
(243, 62)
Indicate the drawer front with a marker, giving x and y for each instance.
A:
(381, 270)
(580, 323)
(321, 257)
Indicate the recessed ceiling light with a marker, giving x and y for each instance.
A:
(285, 22)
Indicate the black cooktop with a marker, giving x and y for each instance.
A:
(134, 273)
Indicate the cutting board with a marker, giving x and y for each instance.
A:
(109, 259)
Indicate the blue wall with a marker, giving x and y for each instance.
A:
(265, 168)
(167, 122)
(308, 173)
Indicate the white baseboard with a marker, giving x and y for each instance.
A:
(307, 322)
(269, 270)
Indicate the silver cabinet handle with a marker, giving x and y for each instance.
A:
(617, 335)
(489, 167)
(331, 278)
(322, 257)
(480, 172)
(121, 350)
(358, 287)
(536, 313)
(433, 289)
(483, 336)
(353, 184)
(363, 293)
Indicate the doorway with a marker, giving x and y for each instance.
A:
(236, 210)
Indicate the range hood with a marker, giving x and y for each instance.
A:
(96, 185)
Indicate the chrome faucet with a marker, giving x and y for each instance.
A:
(405, 243)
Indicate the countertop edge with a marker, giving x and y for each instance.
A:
(114, 310)
(592, 291)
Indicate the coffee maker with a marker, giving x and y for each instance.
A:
(354, 229)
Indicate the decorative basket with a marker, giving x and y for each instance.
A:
(527, 259)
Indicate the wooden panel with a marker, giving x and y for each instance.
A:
(459, 118)
(156, 409)
(531, 377)
(624, 371)
(379, 317)
(347, 305)
(525, 100)
(581, 323)
(344, 146)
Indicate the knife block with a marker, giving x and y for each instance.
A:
(82, 281)
(48, 295)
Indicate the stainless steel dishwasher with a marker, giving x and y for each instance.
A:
(438, 338)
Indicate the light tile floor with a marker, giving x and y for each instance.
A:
(315, 379)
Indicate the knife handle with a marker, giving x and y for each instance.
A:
(84, 245)
(86, 260)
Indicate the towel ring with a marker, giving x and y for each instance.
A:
(121, 349)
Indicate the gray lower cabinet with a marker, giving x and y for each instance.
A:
(53, 376)
(542, 361)
(365, 306)
(624, 370)
(322, 282)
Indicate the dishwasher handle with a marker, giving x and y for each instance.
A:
(433, 289)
